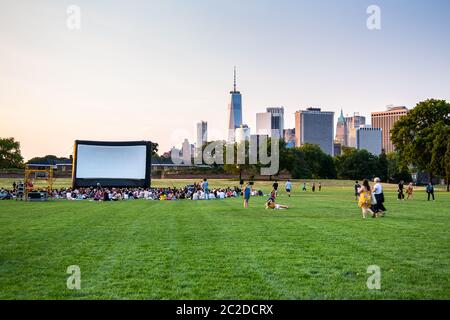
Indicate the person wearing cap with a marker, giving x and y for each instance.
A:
(379, 196)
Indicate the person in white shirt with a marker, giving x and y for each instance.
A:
(377, 190)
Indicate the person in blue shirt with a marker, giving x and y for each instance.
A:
(430, 191)
(288, 187)
(246, 194)
(206, 188)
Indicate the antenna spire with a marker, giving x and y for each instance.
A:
(234, 78)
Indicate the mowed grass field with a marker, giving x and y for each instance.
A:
(318, 249)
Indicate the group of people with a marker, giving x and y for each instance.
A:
(429, 189)
(401, 191)
(197, 191)
(370, 200)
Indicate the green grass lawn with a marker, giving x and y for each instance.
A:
(319, 249)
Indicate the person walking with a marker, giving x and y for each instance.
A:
(365, 199)
(357, 188)
(246, 194)
(275, 186)
(379, 197)
(410, 191)
(288, 187)
(304, 186)
(400, 190)
(430, 191)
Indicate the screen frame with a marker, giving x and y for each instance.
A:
(108, 182)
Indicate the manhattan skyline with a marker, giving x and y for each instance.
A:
(152, 70)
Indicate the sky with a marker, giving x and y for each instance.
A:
(150, 70)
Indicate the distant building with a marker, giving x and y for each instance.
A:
(202, 137)
(337, 148)
(277, 120)
(289, 138)
(385, 120)
(242, 133)
(234, 111)
(270, 122)
(186, 152)
(369, 138)
(316, 127)
(341, 130)
(352, 124)
(264, 123)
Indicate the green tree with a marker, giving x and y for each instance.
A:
(46, 159)
(383, 166)
(10, 156)
(155, 148)
(397, 170)
(356, 164)
(319, 164)
(416, 134)
(440, 154)
(298, 168)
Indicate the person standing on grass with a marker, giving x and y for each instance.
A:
(246, 194)
(304, 186)
(410, 191)
(313, 187)
(365, 199)
(206, 188)
(400, 190)
(320, 186)
(357, 187)
(379, 197)
(430, 191)
(275, 186)
(288, 187)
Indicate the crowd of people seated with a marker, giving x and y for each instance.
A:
(197, 191)
(116, 194)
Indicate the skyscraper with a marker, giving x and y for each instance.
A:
(234, 111)
(369, 138)
(353, 123)
(202, 137)
(243, 133)
(316, 127)
(277, 120)
(386, 120)
(186, 152)
(341, 130)
(264, 123)
(272, 119)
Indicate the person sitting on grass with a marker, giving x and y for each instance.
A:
(270, 204)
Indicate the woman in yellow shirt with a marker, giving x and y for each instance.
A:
(365, 199)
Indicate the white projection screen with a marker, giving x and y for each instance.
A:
(112, 164)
